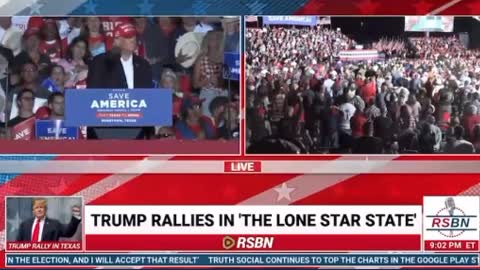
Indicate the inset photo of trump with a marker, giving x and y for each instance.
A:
(44, 223)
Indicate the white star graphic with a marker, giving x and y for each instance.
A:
(284, 192)
(256, 7)
(90, 7)
(146, 7)
(35, 8)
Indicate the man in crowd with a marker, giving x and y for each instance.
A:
(56, 104)
(368, 144)
(189, 127)
(24, 101)
(120, 68)
(211, 124)
(29, 80)
(10, 36)
(31, 54)
(457, 144)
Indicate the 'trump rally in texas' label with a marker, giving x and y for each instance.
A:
(118, 107)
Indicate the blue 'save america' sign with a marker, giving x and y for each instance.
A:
(118, 107)
(232, 61)
(55, 130)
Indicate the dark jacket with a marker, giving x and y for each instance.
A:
(106, 71)
(52, 229)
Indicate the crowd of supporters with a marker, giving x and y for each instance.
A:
(420, 95)
(41, 58)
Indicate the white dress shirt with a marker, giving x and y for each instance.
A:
(42, 223)
(128, 70)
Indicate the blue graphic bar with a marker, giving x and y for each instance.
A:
(253, 259)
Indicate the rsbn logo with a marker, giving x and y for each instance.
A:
(451, 221)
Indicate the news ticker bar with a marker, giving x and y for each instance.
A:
(341, 166)
(239, 260)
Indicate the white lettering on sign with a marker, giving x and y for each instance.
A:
(55, 130)
(22, 134)
(118, 104)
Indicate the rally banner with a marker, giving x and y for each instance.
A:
(232, 61)
(324, 20)
(290, 20)
(359, 55)
(55, 130)
(118, 107)
(429, 23)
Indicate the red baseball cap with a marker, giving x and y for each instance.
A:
(35, 22)
(125, 30)
(43, 113)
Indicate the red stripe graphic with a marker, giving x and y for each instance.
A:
(380, 7)
(191, 189)
(392, 189)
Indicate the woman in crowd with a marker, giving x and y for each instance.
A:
(50, 44)
(169, 80)
(93, 32)
(190, 126)
(208, 70)
(76, 63)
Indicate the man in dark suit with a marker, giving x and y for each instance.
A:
(40, 228)
(120, 69)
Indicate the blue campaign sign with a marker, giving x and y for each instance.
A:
(232, 61)
(118, 107)
(290, 20)
(55, 130)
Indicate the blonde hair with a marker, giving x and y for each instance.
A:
(168, 73)
(41, 201)
(219, 37)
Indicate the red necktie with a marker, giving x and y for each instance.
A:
(36, 232)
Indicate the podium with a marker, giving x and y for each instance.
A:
(126, 114)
